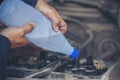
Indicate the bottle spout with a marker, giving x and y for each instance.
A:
(74, 54)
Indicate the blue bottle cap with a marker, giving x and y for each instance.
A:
(74, 54)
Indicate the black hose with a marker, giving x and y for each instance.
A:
(85, 27)
(97, 6)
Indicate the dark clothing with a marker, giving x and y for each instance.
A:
(1, 1)
(4, 46)
(30, 2)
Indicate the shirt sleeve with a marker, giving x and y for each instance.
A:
(4, 43)
(1, 1)
(31, 2)
(4, 46)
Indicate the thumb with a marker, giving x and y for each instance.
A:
(28, 27)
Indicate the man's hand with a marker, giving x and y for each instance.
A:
(53, 15)
(17, 34)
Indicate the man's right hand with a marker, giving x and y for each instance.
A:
(17, 34)
(57, 21)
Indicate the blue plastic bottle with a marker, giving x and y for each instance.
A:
(18, 13)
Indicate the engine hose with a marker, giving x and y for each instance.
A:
(86, 3)
(95, 5)
(85, 27)
(45, 70)
(107, 47)
(119, 18)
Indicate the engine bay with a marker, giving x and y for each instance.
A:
(50, 66)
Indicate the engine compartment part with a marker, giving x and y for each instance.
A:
(113, 73)
(50, 66)
(119, 18)
(108, 8)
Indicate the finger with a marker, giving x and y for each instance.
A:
(28, 27)
(63, 31)
(62, 23)
(22, 42)
(54, 18)
(63, 28)
(58, 16)
(55, 23)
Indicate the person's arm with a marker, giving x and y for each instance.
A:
(11, 38)
(53, 15)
